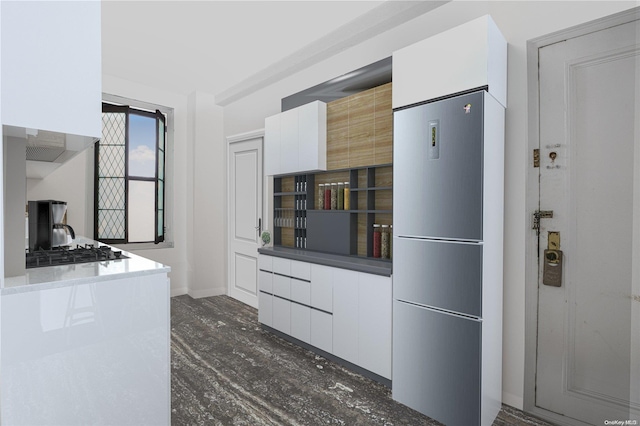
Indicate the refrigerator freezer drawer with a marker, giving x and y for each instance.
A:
(436, 364)
(445, 275)
(438, 169)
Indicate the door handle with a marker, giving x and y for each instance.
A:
(259, 227)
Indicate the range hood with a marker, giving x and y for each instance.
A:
(47, 150)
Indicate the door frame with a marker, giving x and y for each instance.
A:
(533, 200)
(242, 137)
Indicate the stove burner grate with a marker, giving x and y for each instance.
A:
(69, 256)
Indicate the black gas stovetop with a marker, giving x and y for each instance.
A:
(67, 255)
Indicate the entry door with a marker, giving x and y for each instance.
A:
(588, 360)
(245, 216)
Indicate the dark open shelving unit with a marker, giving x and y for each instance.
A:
(294, 217)
(330, 231)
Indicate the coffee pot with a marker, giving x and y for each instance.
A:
(63, 234)
(46, 227)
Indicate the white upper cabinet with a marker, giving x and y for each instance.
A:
(51, 66)
(466, 57)
(296, 140)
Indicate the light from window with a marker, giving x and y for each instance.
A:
(130, 176)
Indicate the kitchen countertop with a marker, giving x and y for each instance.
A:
(354, 263)
(47, 277)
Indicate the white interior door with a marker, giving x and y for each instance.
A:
(245, 217)
(588, 360)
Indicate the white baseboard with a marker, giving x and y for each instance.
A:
(198, 294)
(179, 291)
(513, 400)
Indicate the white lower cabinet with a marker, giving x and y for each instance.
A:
(322, 330)
(322, 287)
(345, 314)
(342, 312)
(77, 355)
(301, 322)
(374, 323)
(362, 320)
(282, 315)
(265, 309)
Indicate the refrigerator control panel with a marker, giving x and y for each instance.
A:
(434, 133)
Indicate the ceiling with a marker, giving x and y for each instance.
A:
(231, 48)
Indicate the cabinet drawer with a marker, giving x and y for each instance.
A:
(301, 270)
(301, 291)
(265, 281)
(265, 263)
(322, 287)
(322, 330)
(282, 266)
(301, 322)
(265, 309)
(282, 315)
(282, 286)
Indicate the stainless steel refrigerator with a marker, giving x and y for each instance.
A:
(447, 260)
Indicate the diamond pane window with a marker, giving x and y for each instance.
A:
(130, 176)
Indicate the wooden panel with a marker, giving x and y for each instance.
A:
(338, 148)
(287, 237)
(338, 134)
(288, 201)
(384, 200)
(384, 176)
(383, 125)
(361, 128)
(288, 184)
(362, 108)
(362, 234)
(362, 179)
(362, 201)
(338, 114)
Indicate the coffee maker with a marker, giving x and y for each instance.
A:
(46, 227)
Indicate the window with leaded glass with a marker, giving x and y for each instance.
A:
(130, 176)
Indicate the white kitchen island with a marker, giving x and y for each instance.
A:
(86, 344)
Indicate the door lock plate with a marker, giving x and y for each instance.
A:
(552, 270)
(553, 241)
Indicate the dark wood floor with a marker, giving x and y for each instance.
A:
(226, 370)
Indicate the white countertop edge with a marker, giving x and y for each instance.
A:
(24, 288)
(50, 277)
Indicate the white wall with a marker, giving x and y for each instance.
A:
(207, 160)
(519, 21)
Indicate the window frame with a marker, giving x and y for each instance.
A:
(150, 110)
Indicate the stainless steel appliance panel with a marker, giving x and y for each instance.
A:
(436, 363)
(441, 274)
(437, 156)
